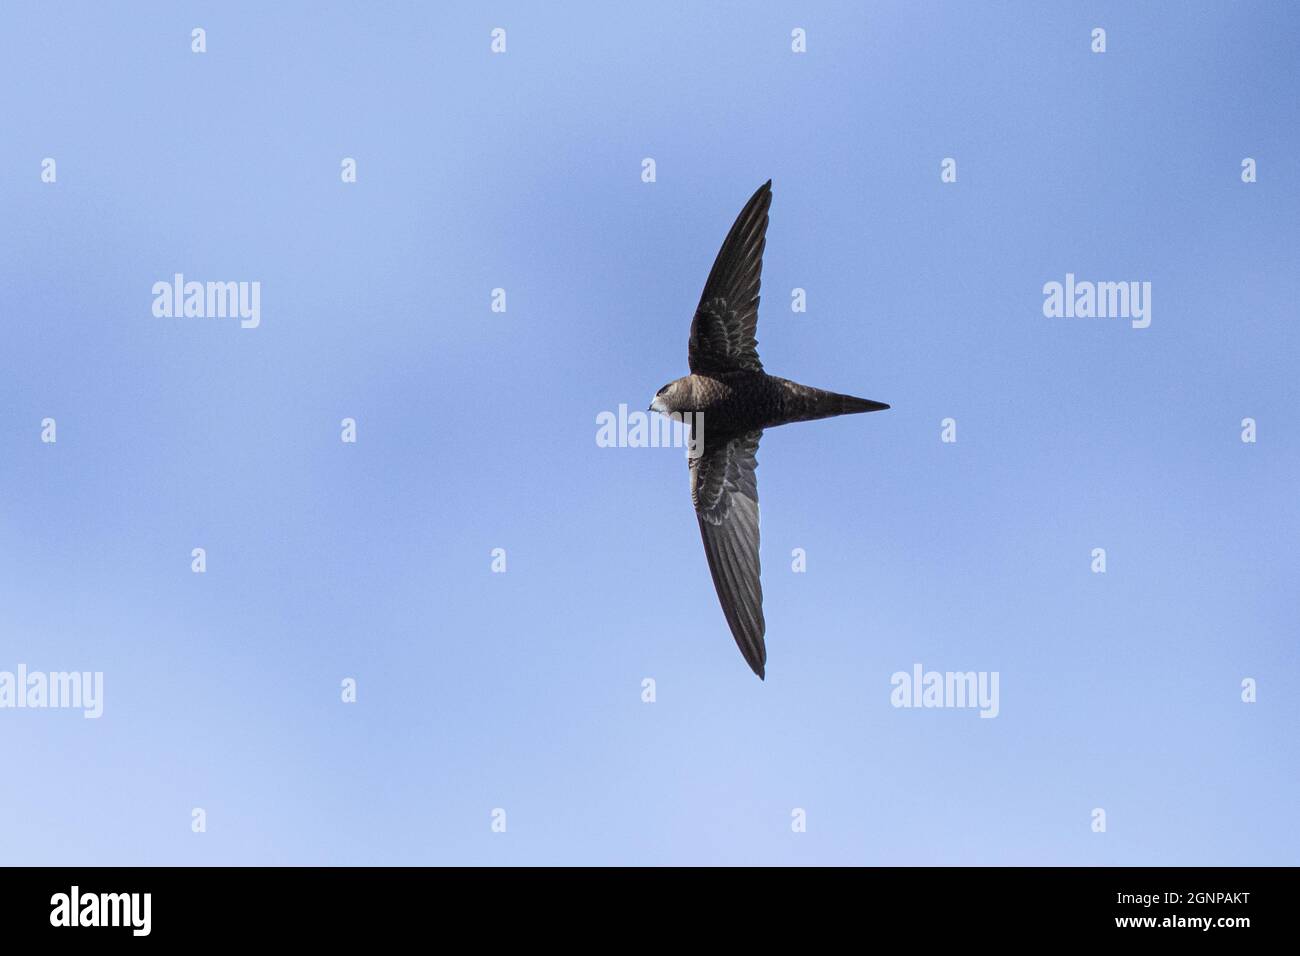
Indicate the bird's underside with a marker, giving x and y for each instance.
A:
(737, 399)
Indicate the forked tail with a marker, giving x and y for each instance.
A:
(803, 403)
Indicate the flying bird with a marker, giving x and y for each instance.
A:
(731, 400)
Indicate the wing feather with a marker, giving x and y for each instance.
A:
(724, 490)
(726, 320)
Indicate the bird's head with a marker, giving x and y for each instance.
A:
(670, 398)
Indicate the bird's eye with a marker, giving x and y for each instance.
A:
(662, 390)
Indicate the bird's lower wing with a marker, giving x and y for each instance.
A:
(725, 494)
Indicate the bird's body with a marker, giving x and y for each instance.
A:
(731, 398)
(742, 400)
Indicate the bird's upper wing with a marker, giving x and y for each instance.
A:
(722, 333)
(725, 494)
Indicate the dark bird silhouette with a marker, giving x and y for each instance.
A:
(730, 399)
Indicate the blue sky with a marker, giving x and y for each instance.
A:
(476, 429)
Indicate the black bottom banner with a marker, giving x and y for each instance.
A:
(1170, 906)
